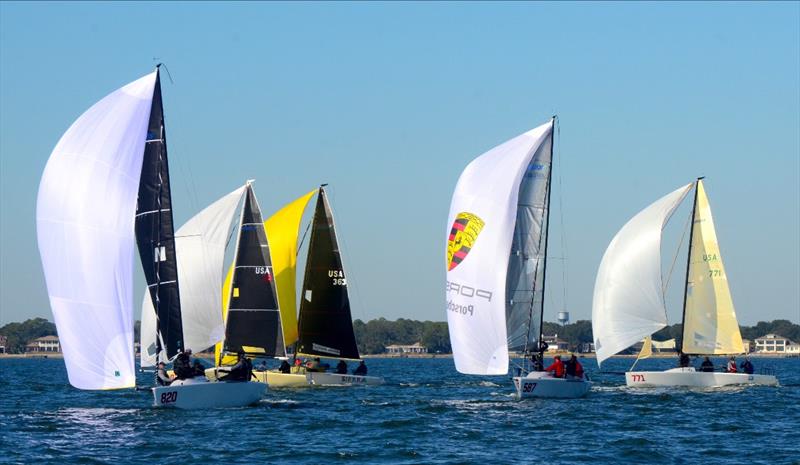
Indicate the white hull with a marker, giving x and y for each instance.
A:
(200, 393)
(541, 384)
(689, 377)
(277, 379)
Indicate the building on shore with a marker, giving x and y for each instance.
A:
(776, 344)
(415, 348)
(3, 342)
(554, 344)
(45, 344)
(748, 345)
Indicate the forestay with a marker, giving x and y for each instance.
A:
(200, 245)
(628, 299)
(85, 227)
(710, 325)
(482, 216)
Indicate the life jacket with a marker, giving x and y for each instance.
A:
(558, 367)
(731, 367)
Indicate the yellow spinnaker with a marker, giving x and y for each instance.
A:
(710, 326)
(283, 230)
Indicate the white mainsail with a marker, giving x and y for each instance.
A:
(200, 249)
(85, 228)
(628, 299)
(710, 325)
(482, 219)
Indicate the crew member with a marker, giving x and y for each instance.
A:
(731, 368)
(707, 366)
(182, 365)
(747, 366)
(285, 367)
(341, 368)
(683, 361)
(574, 368)
(162, 378)
(242, 371)
(557, 367)
(199, 369)
(361, 369)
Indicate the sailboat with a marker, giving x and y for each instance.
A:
(629, 301)
(496, 262)
(252, 318)
(105, 186)
(324, 327)
(200, 249)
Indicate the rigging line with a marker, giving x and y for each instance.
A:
(564, 252)
(665, 285)
(303, 239)
(350, 276)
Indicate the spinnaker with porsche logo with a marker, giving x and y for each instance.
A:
(496, 261)
(629, 302)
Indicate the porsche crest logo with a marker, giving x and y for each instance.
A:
(463, 235)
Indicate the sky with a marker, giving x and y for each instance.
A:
(388, 102)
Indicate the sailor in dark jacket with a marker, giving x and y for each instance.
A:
(361, 369)
(182, 366)
(341, 368)
(707, 366)
(242, 371)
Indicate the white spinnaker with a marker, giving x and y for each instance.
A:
(628, 299)
(85, 227)
(200, 249)
(488, 190)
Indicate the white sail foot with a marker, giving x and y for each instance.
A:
(689, 377)
(199, 393)
(542, 384)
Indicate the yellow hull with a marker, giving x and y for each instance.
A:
(276, 379)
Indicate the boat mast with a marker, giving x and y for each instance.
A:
(158, 239)
(540, 349)
(689, 259)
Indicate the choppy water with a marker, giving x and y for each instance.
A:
(426, 413)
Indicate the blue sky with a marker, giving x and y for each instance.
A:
(388, 102)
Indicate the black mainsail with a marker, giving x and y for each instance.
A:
(155, 231)
(253, 322)
(325, 326)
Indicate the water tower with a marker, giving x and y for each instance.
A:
(563, 318)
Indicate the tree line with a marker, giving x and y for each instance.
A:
(374, 335)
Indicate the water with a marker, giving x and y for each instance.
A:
(427, 413)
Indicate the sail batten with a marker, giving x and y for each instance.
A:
(628, 302)
(85, 229)
(325, 326)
